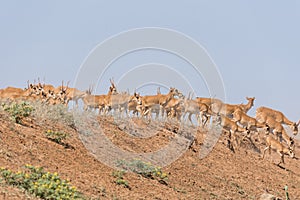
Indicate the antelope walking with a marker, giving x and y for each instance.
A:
(160, 99)
(228, 109)
(247, 121)
(231, 127)
(279, 131)
(279, 147)
(263, 113)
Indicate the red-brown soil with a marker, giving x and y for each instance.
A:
(223, 174)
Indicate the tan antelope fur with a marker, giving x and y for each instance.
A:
(263, 113)
(274, 144)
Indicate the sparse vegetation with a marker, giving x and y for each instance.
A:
(120, 179)
(145, 169)
(54, 113)
(42, 184)
(286, 193)
(18, 111)
(56, 136)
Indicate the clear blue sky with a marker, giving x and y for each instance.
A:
(255, 44)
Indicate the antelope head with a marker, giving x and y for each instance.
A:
(112, 88)
(174, 92)
(137, 98)
(218, 119)
(291, 152)
(294, 127)
(89, 91)
(38, 89)
(33, 89)
(180, 95)
(251, 100)
(62, 91)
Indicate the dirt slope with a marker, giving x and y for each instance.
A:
(221, 175)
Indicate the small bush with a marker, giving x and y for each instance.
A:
(56, 136)
(42, 184)
(145, 169)
(120, 179)
(18, 110)
(55, 113)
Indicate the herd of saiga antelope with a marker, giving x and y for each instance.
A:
(232, 118)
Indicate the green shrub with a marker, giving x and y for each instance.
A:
(42, 184)
(56, 136)
(145, 169)
(120, 179)
(18, 110)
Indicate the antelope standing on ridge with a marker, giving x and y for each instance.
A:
(228, 109)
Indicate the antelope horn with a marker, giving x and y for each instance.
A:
(112, 82)
(158, 90)
(89, 90)
(92, 88)
(189, 95)
(67, 85)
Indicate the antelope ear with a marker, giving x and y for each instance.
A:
(298, 123)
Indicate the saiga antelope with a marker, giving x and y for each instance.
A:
(209, 102)
(272, 143)
(98, 101)
(247, 121)
(228, 109)
(146, 110)
(137, 102)
(174, 107)
(200, 110)
(159, 99)
(263, 112)
(119, 102)
(67, 94)
(279, 131)
(230, 126)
